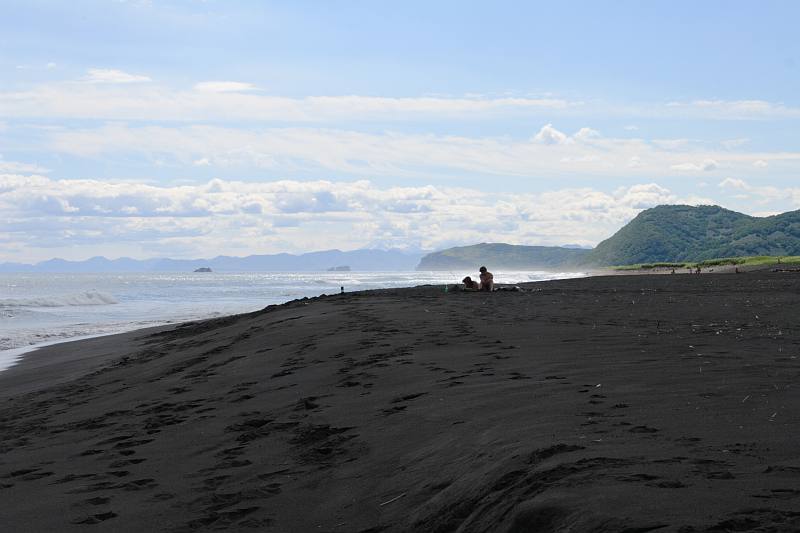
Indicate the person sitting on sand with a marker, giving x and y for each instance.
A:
(470, 284)
(487, 280)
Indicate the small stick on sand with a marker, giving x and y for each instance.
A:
(392, 500)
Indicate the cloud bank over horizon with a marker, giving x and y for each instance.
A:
(77, 219)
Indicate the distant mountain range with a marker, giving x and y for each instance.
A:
(667, 233)
(369, 260)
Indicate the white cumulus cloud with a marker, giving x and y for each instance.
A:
(224, 87)
(706, 165)
(12, 167)
(733, 183)
(761, 194)
(103, 75)
(585, 134)
(549, 135)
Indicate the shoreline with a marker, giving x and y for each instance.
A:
(17, 354)
(9, 358)
(609, 402)
(12, 356)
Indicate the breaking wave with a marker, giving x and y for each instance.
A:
(65, 300)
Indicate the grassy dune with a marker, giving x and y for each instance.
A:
(754, 260)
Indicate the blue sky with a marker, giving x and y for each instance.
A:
(195, 128)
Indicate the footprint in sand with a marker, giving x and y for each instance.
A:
(99, 500)
(95, 519)
(643, 429)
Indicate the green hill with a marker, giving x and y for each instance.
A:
(502, 256)
(684, 233)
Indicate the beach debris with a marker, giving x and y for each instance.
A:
(392, 500)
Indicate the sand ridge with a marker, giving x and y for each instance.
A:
(622, 403)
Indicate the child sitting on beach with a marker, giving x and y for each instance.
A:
(487, 280)
(470, 284)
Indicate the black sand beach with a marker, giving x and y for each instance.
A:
(621, 403)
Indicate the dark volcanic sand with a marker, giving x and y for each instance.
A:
(619, 403)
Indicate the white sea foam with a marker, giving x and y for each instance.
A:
(65, 300)
(9, 358)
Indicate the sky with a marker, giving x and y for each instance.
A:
(196, 128)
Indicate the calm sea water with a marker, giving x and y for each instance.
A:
(46, 308)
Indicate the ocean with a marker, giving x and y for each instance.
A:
(38, 309)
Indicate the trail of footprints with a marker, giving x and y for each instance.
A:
(693, 465)
(116, 457)
(315, 444)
